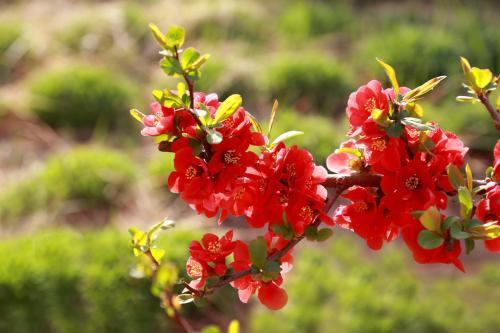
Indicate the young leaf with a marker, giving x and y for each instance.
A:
(395, 130)
(189, 56)
(455, 176)
(465, 65)
(469, 245)
(286, 136)
(273, 115)
(448, 222)
(175, 37)
(429, 240)
(137, 115)
(171, 66)
(323, 234)
(391, 74)
(160, 38)
(227, 108)
(421, 91)
(468, 173)
(199, 62)
(255, 123)
(466, 204)
(431, 219)
(185, 298)
(258, 252)
(481, 77)
(234, 327)
(213, 137)
(468, 99)
(457, 233)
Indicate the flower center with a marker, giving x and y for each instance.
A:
(370, 104)
(360, 206)
(191, 172)
(306, 212)
(214, 247)
(412, 183)
(379, 145)
(290, 169)
(354, 163)
(230, 157)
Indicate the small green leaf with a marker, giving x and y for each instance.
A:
(175, 37)
(391, 74)
(273, 116)
(457, 233)
(227, 108)
(258, 252)
(137, 115)
(171, 66)
(189, 56)
(160, 38)
(455, 176)
(469, 245)
(466, 204)
(481, 77)
(352, 151)
(286, 136)
(323, 234)
(429, 240)
(468, 173)
(199, 62)
(394, 130)
(211, 329)
(416, 123)
(421, 91)
(234, 326)
(448, 222)
(185, 298)
(468, 99)
(431, 219)
(465, 65)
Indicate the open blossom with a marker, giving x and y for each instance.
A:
(384, 154)
(161, 121)
(488, 210)
(347, 160)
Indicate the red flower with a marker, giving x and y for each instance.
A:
(488, 210)
(384, 154)
(361, 104)
(496, 163)
(213, 249)
(413, 185)
(198, 271)
(447, 253)
(272, 296)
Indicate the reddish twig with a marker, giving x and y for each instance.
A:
(495, 114)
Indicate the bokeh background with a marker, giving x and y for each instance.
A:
(75, 173)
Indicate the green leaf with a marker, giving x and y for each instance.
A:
(211, 329)
(429, 240)
(468, 173)
(255, 123)
(175, 37)
(286, 136)
(468, 99)
(258, 252)
(421, 91)
(455, 176)
(394, 130)
(466, 204)
(416, 123)
(189, 56)
(448, 222)
(158, 254)
(213, 136)
(199, 62)
(352, 151)
(171, 66)
(469, 245)
(234, 326)
(137, 115)
(481, 77)
(323, 234)
(227, 108)
(160, 38)
(457, 233)
(391, 74)
(273, 116)
(431, 219)
(465, 65)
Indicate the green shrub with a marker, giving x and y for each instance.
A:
(416, 53)
(310, 82)
(321, 135)
(91, 177)
(9, 33)
(160, 166)
(303, 20)
(338, 289)
(61, 281)
(80, 98)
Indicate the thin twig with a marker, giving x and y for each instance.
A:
(495, 114)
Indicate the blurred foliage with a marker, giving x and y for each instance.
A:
(9, 33)
(308, 82)
(321, 134)
(62, 281)
(91, 177)
(82, 97)
(159, 168)
(335, 289)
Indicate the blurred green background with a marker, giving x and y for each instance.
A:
(75, 172)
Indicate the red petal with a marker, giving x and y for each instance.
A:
(272, 296)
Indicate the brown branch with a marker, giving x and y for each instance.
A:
(495, 114)
(166, 298)
(345, 181)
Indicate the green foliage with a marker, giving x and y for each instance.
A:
(303, 20)
(9, 33)
(81, 97)
(437, 51)
(321, 134)
(91, 177)
(336, 289)
(62, 281)
(88, 34)
(310, 82)
(160, 166)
